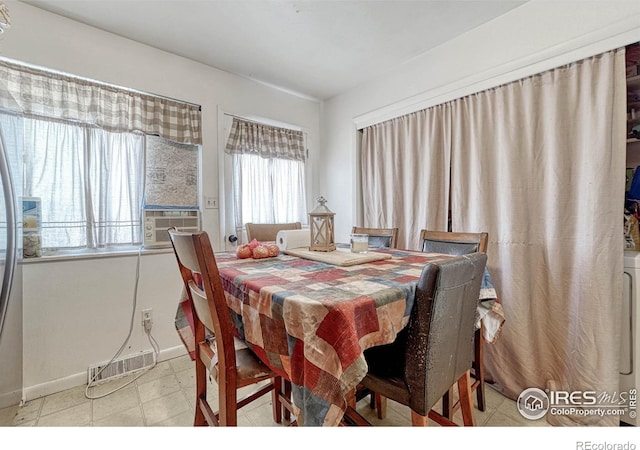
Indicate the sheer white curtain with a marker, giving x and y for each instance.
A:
(54, 172)
(116, 192)
(268, 190)
(405, 173)
(89, 182)
(539, 164)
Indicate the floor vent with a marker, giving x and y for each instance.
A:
(120, 367)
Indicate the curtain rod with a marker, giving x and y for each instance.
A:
(266, 122)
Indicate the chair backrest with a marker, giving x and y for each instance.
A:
(379, 237)
(201, 278)
(264, 232)
(440, 334)
(453, 243)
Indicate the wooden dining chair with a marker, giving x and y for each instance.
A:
(456, 243)
(435, 350)
(265, 232)
(379, 237)
(229, 360)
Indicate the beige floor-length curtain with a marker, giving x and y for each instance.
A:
(405, 173)
(539, 164)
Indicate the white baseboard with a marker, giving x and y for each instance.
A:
(79, 379)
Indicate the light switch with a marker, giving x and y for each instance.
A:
(211, 202)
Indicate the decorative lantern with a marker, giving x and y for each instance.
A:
(321, 226)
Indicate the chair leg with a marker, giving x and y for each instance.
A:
(466, 399)
(275, 399)
(228, 402)
(447, 404)
(287, 394)
(479, 368)
(418, 421)
(381, 405)
(201, 393)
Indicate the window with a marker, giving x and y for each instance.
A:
(90, 182)
(84, 152)
(270, 190)
(268, 171)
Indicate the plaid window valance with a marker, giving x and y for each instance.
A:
(51, 95)
(265, 140)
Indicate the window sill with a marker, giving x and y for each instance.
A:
(76, 255)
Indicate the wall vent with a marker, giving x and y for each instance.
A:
(120, 367)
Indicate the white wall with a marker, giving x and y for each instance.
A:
(532, 38)
(76, 313)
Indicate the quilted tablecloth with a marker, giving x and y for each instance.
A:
(311, 321)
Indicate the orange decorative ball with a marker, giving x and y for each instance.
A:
(273, 249)
(260, 252)
(243, 251)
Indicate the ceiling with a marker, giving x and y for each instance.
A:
(315, 48)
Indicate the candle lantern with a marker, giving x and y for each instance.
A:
(321, 226)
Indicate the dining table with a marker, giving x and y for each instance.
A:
(310, 321)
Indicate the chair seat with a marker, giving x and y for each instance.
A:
(248, 366)
(393, 387)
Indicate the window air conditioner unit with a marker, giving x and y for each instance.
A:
(158, 221)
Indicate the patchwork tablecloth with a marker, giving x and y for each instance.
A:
(311, 321)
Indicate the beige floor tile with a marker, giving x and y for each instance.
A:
(262, 415)
(499, 419)
(121, 400)
(158, 388)
(30, 423)
(165, 407)
(182, 363)
(8, 415)
(184, 419)
(131, 417)
(187, 379)
(29, 411)
(190, 395)
(76, 416)
(64, 400)
(493, 398)
(244, 420)
(161, 369)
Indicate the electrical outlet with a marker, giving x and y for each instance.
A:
(146, 318)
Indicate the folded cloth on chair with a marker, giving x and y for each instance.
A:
(184, 324)
(489, 313)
